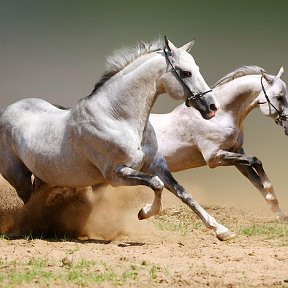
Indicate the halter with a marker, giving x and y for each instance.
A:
(281, 117)
(192, 96)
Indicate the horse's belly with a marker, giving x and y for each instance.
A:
(181, 156)
(71, 177)
(56, 166)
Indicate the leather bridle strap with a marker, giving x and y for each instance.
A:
(281, 117)
(192, 95)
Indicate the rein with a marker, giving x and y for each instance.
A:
(281, 117)
(192, 96)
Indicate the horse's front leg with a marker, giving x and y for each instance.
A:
(255, 179)
(131, 177)
(159, 167)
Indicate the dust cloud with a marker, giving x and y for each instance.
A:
(107, 214)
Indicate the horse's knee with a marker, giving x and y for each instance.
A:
(157, 184)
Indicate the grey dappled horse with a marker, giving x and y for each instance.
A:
(194, 142)
(105, 138)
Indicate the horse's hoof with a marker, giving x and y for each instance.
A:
(283, 218)
(141, 215)
(145, 212)
(227, 235)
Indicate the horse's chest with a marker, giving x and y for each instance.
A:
(227, 137)
(230, 134)
(223, 134)
(232, 138)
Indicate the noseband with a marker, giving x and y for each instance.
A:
(281, 117)
(192, 96)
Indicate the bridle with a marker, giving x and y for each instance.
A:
(192, 96)
(281, 117)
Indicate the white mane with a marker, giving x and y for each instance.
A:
(124, 56)
(239, 72)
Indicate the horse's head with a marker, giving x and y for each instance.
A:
(274, 98)
(184, 80)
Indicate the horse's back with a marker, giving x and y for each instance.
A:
(34, 132)
(32, 122)
(31, 112)
(30, 105)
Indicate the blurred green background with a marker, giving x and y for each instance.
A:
(56, 50)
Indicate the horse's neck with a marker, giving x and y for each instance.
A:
(236, 99)
(131, 93)
(239, 97)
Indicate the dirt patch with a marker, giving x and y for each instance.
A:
(170, 250)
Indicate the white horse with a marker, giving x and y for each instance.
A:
(105, 138)
(186, 140)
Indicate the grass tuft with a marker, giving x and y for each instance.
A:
(268, 230)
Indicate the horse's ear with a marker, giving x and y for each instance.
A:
(169, 45)
(267, 77)
(188, 46)
(263, 72)
(280, 73)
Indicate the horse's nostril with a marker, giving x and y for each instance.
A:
(213, 107)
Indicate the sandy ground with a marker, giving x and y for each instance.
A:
(170, 250)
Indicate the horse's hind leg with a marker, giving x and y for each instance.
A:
(131, 177)
(269, 195)
(251, 167)
(20, 178)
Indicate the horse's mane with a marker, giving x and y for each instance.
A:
(124, 56)
(239, 72)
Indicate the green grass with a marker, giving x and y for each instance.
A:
(183, 221)
(71, 251)
(32, 272)
(47, 272)
(83, 273)
(178, 221)
(3, 237)
(268, 230)
(167, 225)
(82, 277)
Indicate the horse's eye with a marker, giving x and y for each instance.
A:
(185, 74)
(280, 98)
